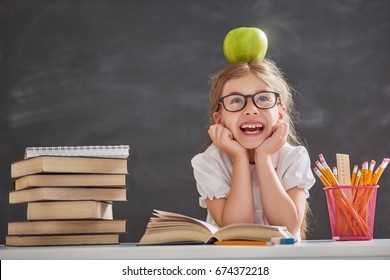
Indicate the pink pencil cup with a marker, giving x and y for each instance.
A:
(351, 211)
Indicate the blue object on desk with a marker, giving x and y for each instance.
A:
(287, 241)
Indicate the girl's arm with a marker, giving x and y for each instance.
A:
(280, 207)
(238, 206)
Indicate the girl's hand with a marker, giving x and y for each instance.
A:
(276, 141)
(222, 137)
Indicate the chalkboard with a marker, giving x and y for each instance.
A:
(137, 73)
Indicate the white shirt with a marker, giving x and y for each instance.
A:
(213, 173)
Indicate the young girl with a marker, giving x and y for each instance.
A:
(252, 173)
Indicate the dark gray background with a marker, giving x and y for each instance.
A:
(137, 73)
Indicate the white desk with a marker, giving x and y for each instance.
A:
(311, 249)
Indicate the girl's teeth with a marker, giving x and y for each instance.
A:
(251, 128)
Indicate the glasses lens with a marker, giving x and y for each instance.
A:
(265, 100)
(234, 102)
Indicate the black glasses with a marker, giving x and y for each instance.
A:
(236, 101)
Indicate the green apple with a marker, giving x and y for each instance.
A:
(244, 44)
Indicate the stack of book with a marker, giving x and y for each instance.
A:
(69, 193)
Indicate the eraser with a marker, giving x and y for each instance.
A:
(287, 241)
(275, 240)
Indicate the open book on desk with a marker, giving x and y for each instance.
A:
(172, 228)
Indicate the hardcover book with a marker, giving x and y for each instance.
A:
(65, 210)
(54, 164)
(66, 227)
(70, 180)
(54, 240)
(47, 194)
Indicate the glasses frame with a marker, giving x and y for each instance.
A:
(221, 100)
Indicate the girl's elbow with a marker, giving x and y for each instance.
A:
(295, 226)
(294, 229)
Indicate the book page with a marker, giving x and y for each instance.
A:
(213, 229)
(179, 217)
(248, 231)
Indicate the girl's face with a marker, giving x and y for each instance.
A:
(250, 126)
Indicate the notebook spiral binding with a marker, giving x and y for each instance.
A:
(112, 151)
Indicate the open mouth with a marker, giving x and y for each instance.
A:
(252, 128)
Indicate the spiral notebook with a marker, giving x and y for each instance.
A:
(110, 151)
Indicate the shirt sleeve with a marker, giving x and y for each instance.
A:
(212, 179)
(297, 170)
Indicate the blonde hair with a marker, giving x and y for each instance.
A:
(270, 74)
